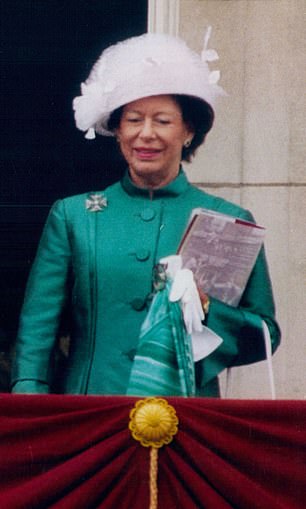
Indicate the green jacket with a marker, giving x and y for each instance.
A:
(102, 262)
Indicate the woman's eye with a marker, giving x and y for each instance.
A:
(163, 121)
(133, 120)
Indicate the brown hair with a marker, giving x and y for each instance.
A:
(199, 116)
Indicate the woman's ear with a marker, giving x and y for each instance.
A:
(187, 143)
(189, 135)
(190, 131)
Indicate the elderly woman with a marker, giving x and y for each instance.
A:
(98, 251)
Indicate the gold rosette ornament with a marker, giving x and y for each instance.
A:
(153, 423)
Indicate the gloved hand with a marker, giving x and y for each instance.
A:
(184, 289)
(204, 340)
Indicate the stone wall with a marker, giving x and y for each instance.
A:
(256, 154)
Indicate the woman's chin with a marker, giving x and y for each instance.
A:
(145, 168)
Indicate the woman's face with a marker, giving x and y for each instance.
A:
(151, 134)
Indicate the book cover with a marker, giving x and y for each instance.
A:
(221, 251)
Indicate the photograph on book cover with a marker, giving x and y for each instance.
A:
(221, 251)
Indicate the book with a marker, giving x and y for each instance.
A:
(221, 251)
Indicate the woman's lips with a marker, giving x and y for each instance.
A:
(146, 153)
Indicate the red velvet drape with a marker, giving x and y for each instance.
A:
(76, 452)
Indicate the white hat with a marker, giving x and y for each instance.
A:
(151, 64)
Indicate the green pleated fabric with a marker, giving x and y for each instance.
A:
(163, 364)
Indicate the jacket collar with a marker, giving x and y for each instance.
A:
(175, 188)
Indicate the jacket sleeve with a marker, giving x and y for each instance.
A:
(45, 297)
(241, 327)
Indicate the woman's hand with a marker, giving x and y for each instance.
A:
(184, 289)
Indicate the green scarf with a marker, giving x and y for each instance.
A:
(163, 364)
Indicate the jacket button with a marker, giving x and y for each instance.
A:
(147, 214)
(138, 304)
(143, 254)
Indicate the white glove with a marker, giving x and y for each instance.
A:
(185, 290)
(204, 340)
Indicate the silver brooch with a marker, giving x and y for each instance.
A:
(96, 202)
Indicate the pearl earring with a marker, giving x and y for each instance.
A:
(187, 143)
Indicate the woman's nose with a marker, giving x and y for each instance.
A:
(147, 129)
